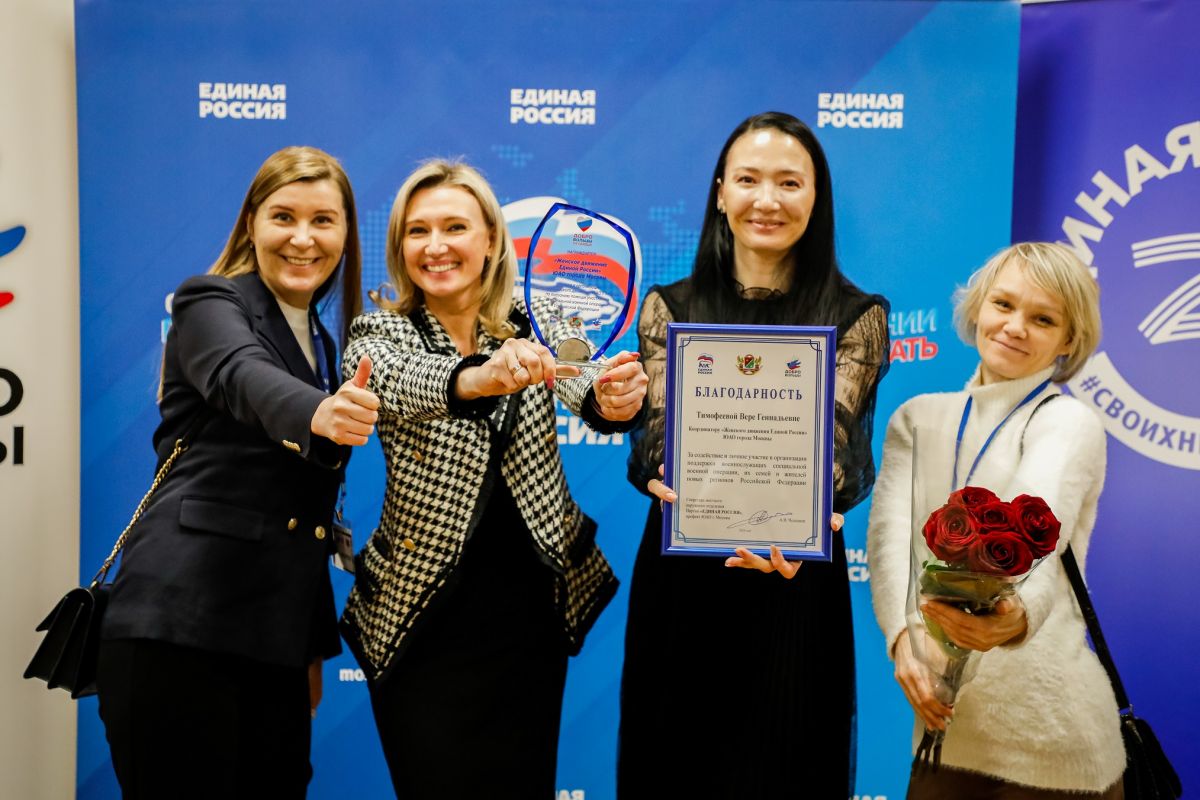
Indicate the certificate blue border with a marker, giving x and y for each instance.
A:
(824, 340)
(633, 268)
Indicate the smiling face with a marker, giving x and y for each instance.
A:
(768, 192)
(1020, 329)
(445, 243)
(298, 234)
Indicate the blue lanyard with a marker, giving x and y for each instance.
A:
(962, 426)
(322, 360)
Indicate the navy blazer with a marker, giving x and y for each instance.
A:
(232, 553)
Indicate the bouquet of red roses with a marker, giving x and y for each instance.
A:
(983, 547)
(972, 552)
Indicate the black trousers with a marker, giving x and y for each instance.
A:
(188, 723)
(949, 783)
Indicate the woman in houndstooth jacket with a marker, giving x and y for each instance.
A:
(483, 574)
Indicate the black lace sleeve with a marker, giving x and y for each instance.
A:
(647, 435)
(862, 360)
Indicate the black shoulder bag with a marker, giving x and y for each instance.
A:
(69, 653)
(1148, 772)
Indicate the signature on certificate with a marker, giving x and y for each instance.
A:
(758, 518)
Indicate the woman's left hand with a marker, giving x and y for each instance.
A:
(777, 563)
(620, 390)
(981, 632)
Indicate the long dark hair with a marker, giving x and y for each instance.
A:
(817, 291)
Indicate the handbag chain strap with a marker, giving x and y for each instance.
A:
(137, 513)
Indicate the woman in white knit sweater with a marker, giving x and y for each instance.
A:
(1039, 719)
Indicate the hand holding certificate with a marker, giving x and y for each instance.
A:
(749, 440)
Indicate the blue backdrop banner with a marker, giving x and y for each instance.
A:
(1108, 161)
(621, 108)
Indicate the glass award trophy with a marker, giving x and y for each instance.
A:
(580, 275)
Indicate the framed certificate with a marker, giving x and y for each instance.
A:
(749, 439)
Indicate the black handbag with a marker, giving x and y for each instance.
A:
(1148, 772)
(70, 651)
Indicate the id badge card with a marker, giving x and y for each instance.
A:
(343, 544)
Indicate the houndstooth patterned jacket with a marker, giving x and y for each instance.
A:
(437, 451)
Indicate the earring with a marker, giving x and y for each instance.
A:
(720, 207)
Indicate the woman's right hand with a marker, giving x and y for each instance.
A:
(517, 364)
(914, 679)
(349, 415)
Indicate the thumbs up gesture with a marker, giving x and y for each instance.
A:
(349, 415)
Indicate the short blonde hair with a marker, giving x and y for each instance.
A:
(1052, 268)
(500, 268)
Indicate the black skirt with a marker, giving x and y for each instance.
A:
(472, 707)
(736, 684)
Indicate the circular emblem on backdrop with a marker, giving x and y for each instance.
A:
(1143, 381)
(523, 217)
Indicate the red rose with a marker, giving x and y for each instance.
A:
(1037, 522)
(972, 496)
(1000, 553)
(949, 531)
(996, 515)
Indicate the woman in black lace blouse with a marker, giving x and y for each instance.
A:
(760, 701)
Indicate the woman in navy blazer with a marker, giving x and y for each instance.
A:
(223, 610)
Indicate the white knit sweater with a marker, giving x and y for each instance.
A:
(1042, 712)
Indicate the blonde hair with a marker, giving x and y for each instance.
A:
(500, 266)
(1053, 268)
(289, 165)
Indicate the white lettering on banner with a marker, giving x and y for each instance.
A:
(552, 106)
(351, 675)
(1181, 142)
(572, 430)
(243, 100)
(570, 794)
(921, 320)
(856, 565)
(860, 110)
(1145, 427)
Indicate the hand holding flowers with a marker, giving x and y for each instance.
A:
(1006, 623)
(978, 549)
